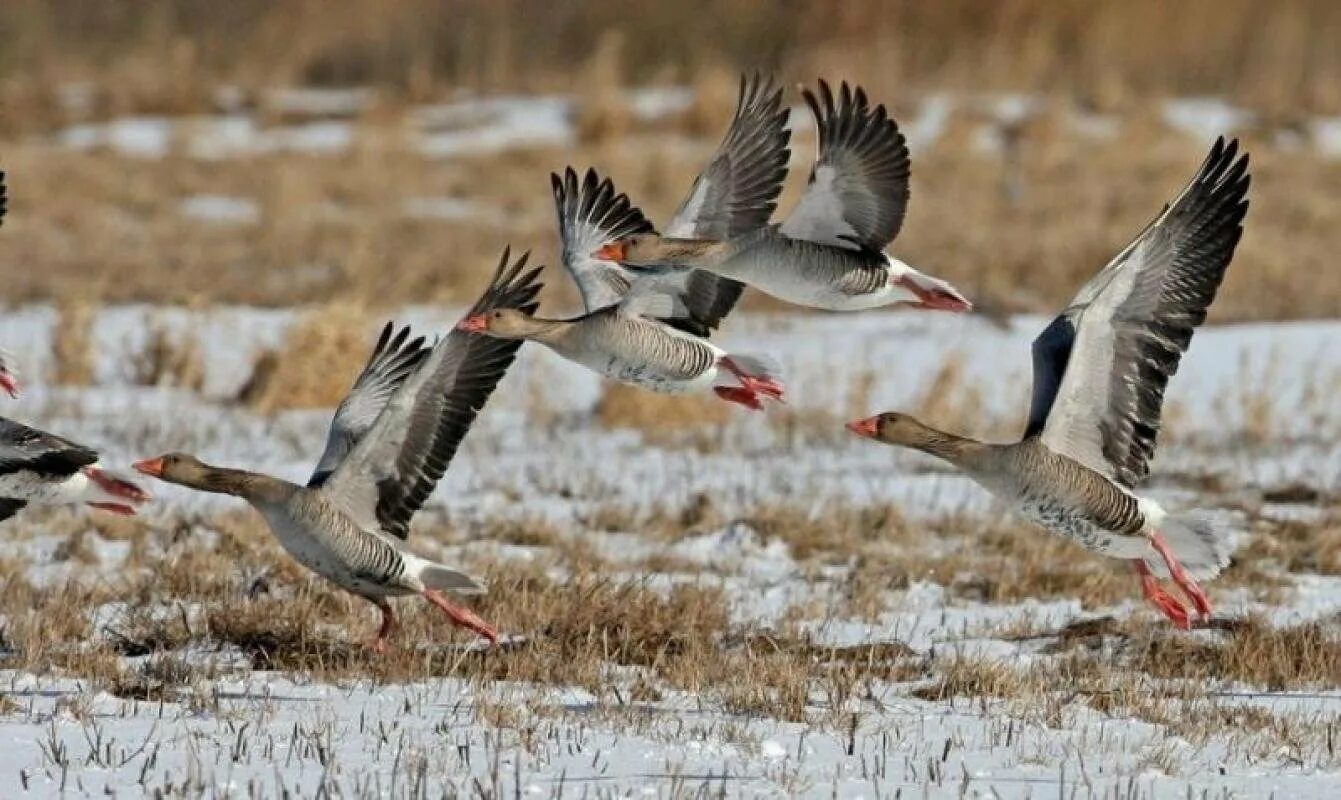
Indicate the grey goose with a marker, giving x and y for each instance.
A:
(42, 469)
(829, 253)
(651, 331)
(390, 442)
(1100, 371)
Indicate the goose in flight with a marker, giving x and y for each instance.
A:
(41, 469)
(829, 253)
(390, 441)
(1100, 371)
(651, 331)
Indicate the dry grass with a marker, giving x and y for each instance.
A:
(321, 355)
(663, 419)
(171, 359)
(73, 349)
(166, 54)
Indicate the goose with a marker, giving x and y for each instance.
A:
(391, 439)
(1100, 371)
(829, 253)
(9, 382)
(651, 331)
(42, 469)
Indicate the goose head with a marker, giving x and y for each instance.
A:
(651, 253)
(894, 428)
(503, 323)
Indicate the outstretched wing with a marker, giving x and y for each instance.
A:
(858, 190)
(392, 470)
(736, 193)
(394, 358)
(738, 189)
(592, 214)
(1102, 366)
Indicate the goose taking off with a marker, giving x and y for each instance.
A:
(39, 468)
(651, 331)
(830, 252)
(1100, 370)
(9, 382)
(390, 441)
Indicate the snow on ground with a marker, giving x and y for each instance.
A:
(324, 122)
(262, 733)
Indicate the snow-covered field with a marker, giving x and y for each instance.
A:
(1252, 417)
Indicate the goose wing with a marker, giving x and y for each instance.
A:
(393, 468)
(1101, 367)
(28, 449)
(734, 194)
(858, 190)
(592, 214)
(394, 358)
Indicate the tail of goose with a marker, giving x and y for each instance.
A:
(1202, 542)
(446, 579)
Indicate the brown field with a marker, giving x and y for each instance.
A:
(1019, 230)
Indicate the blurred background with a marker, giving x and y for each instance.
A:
(376, 153)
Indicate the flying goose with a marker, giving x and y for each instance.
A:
(9, 382)
(39, 468)
(830, 252)
(651, 331)
(1100, 370)
(390, 441)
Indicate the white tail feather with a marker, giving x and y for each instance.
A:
(436, 576)
(1201, 542)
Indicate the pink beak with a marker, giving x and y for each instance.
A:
(9, 383)
(475, 323)
(936, 298)
(614, 251)
(867, 428)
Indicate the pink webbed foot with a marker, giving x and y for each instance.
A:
(736, 394)
(1181, 577)
(1168, 605)
(115, 486)
(754, 384)
(462, 616)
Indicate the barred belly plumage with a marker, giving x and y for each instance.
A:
(1096, 532)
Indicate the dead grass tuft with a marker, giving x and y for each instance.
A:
(170, 359)
(73, 348)
(320, 357)
(663, 419)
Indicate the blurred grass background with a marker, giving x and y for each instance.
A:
(1019, 227)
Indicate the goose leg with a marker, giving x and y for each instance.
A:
(1185, 581)
(1169, 605)
(753, 383)
(736, 394)
(462, 616)
(388, 623)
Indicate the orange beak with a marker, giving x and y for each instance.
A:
(152, 467)
(475, 323)
(867, 428)
(8, 383)
(615, 251)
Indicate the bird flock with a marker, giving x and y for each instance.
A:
(651, 303)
